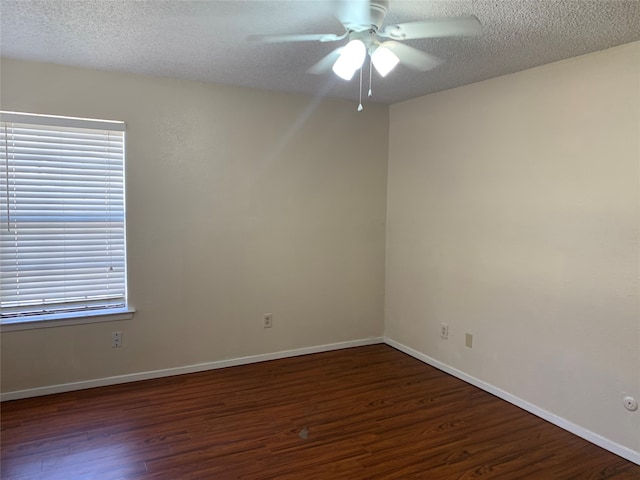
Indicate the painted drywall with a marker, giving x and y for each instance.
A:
(513, 214)
(239, 203)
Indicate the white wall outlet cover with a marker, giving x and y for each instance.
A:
(116, 339)
(444, 331)
(468, 340)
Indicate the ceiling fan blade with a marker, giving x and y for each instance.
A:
(324, 65)
(437, 27)
(312, 37)
(412, 57)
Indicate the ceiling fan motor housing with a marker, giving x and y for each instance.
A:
(378, 10)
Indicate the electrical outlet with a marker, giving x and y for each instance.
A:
(268, 320)
(116, 339)
(444, 331)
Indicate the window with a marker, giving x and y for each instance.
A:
(62, 218)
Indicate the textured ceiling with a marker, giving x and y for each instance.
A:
(207, 40)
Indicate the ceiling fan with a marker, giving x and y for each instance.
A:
(365, 37)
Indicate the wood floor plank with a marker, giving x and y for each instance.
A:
(361, 413)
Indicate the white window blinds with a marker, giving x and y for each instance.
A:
(62, 215)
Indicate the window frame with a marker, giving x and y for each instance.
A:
(86, 314)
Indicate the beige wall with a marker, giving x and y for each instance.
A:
(513, 214)
(239, 203)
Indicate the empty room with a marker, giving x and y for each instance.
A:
(294, 239)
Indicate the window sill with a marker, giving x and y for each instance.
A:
(66, 319)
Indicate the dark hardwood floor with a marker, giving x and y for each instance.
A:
(368, 413)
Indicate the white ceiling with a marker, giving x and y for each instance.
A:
(207, 40)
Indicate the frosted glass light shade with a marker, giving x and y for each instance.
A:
(384, 60)
(350, 60)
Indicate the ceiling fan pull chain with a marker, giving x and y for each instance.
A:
(370, 77)
(360, 104)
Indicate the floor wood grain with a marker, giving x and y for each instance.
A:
(369, 413)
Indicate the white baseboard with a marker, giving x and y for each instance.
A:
(588, 435)
(134, 377)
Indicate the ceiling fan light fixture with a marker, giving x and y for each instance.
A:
(384, 60)
(350, 60)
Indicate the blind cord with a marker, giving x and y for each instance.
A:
(109, 211)
(6, 160)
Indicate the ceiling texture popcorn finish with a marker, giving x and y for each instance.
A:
(208, 40)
